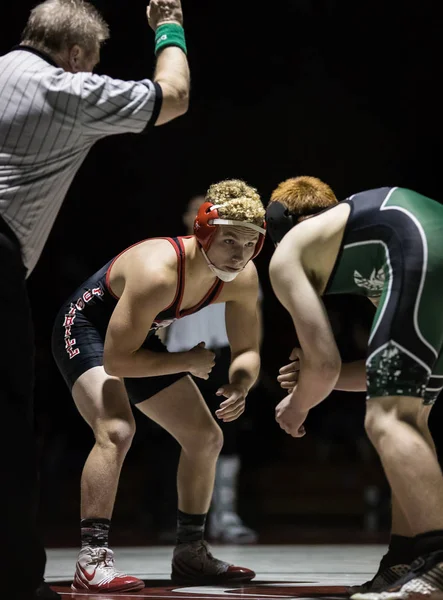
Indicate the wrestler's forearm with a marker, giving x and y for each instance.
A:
(245, 368)
(145, 363)
(352, 377)
(314, 385)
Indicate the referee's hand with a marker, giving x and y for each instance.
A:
(164, 11)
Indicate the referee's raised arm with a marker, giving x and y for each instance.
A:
(111, 106)
(172, 71)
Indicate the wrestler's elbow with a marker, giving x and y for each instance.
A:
(113, 364)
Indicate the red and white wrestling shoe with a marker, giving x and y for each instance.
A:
(95, 572)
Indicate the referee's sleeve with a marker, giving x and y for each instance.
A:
(110, 106)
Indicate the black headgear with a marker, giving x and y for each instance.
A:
(279, 221)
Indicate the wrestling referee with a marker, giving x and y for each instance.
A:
(52, 111)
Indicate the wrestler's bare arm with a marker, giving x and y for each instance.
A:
(243, 329)
(148, 290)
(295, 289)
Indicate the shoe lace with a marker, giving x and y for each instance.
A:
(105, 559)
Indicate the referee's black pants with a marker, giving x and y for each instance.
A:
(23, 557)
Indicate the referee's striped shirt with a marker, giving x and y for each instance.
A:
(49, 119)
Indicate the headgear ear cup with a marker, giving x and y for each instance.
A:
(203, 230)
(279, 221)
(207, 221)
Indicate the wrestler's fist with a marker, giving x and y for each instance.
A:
(290, 418)
(201, 361)
(164, 11)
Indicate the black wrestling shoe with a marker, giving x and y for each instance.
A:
(423, 581)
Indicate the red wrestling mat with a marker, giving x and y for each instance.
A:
(162, 590)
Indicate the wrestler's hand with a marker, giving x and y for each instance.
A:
(290, 418)
(160, 12)
(234, 405)
(201, 361)
(288, 374)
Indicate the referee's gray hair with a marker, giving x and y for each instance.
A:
(55, 25)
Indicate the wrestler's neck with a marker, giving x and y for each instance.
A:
(196, 264)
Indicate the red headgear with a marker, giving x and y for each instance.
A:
(207, 220)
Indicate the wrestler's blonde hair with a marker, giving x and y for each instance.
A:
(304, 195)
(239, 201)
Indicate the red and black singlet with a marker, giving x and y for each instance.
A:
(95, 301)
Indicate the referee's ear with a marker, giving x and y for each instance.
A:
(76, 59)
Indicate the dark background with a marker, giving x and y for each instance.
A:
(348, 92)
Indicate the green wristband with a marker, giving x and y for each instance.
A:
(169, 34)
